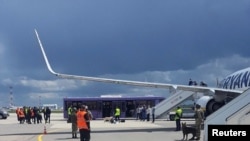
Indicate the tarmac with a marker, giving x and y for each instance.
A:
(60, 130)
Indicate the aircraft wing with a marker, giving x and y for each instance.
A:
(200, 89)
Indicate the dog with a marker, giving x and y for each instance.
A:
(108, 119)
(188, 130)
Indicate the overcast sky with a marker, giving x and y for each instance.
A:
(166, 41)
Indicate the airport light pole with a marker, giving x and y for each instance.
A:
(11, 96)
(39, 101)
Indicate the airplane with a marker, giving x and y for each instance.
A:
(213, 98)
(12, 107)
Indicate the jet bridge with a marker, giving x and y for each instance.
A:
(237, 111)
(162, 109)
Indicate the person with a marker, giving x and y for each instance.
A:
(39, 116)
(199, 117)
(44, 113)
(203, 84)
(21, 116)
(69, 113)
(28, 115)
(74, 123)
(190, 83)
(32, 116)
(153, 114)
(117, 114)
(82, 118)
(194, 83)
(138, 112)
(148, 112)
(36, 115)
(90, 116)
(178, 115)
(47, 115)
(143, 113)
(17, 113)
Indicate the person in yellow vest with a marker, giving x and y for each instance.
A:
(117, 114)
(178, 115)
(82, 119)
(69, 110)
(74, 123)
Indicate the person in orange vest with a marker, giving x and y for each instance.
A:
(82, 118)
(17, 114)
(21, 116)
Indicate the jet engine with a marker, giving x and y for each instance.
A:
(209, 104)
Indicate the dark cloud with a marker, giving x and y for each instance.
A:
(120, 39)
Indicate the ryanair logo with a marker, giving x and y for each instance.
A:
(237, 81)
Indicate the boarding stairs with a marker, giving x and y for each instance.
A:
(162, 109)
(237, 111)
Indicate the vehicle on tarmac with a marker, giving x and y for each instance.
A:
(4, 114)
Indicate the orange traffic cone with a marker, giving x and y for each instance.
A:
(44, 131)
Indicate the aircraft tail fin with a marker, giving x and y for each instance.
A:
(44, 54)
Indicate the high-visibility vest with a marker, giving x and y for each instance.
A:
(69, 110)
(117, 112)
(21, 113)
(178, 114)
(81, 122)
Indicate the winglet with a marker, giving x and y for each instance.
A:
(44, 54)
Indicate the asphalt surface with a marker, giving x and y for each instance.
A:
(60, 130)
